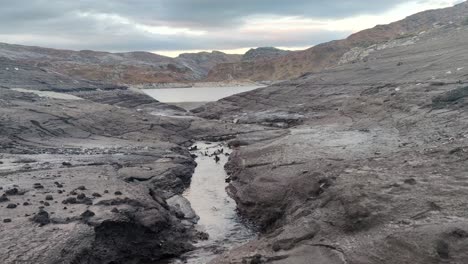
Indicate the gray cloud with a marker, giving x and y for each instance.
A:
(64, 24)
(209, 12)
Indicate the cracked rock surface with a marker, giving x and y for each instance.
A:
(85, 171)
(374, 172)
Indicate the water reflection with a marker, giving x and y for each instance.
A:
(197, 94)
(217, 211)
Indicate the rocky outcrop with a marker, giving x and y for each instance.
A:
(329, 54)
(201, 63)
(374, 171)
(263, 53)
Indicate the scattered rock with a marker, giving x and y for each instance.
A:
(49, 197)
(70, 200)
(410, 181)
(11, 206)
(13, 191)
(38, 186)
(118, 193)
(203, 236)
(257, 259)
(88, 214)
(459, 233)
(42, 218)
(7, 220)
(4, 198)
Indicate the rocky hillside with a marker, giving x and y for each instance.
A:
(329, 54)
(201, 63)
(371, 167)
(263, 53)
(117, 68)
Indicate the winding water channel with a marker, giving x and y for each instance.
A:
(207, 192)
(217, 211)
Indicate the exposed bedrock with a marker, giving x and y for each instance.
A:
(86, 181)
(375, 172)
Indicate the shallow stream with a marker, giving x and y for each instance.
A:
(217, 211)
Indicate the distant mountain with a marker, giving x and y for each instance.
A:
(201, 63)
(331, 53)
(118, 68)
(263, 53)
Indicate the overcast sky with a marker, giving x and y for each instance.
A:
(170, 27)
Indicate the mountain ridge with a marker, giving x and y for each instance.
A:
(329, 54)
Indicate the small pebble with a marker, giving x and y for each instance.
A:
(11, 206)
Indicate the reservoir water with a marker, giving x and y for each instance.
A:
(190, 98)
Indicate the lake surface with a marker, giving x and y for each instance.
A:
(196, 94)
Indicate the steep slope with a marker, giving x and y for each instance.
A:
(329, 54)
(372, 164)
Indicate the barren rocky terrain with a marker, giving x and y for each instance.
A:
(85, 170)
(362, 160)
(372, 165)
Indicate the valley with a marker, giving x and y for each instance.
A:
(351, 152)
